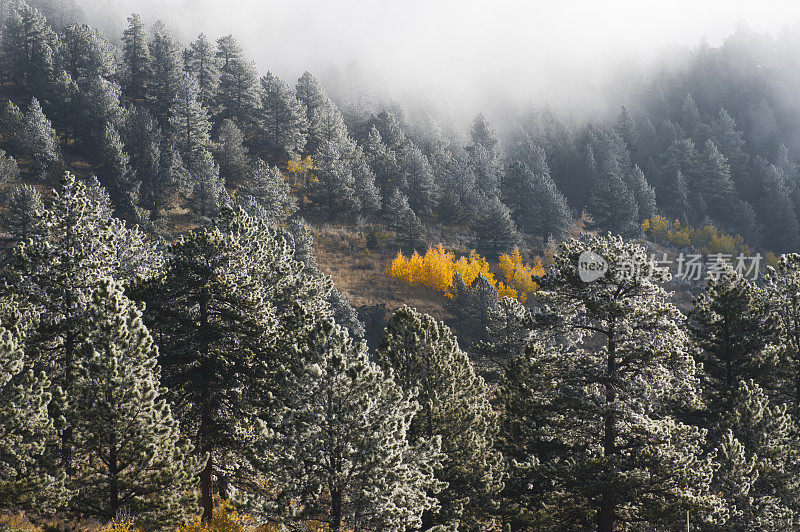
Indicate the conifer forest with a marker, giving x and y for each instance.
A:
(488, 275)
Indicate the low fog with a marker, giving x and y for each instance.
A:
(470, 54)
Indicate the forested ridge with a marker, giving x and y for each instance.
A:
(173, 355)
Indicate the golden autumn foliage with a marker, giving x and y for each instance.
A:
(708, 240)
(435, 270)
(519, 276)
(120, 526)
(225, 519)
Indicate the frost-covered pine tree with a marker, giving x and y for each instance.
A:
(24, 212)
(84, 53)
(231, 153)
(383, 161)
(28, 48)
(543, 210)
(401, 218)
(207, 189)
(335, 185)
(143, 143)
(41, 143)
(643, 194)
(203, 64)
(213, 326)
(166, 73)
(132, 456)
(311, 95)
(608, 402)
(237, 93)
(136, 58)
(368, 195)
(758, 455)
(613, 206)
(421, 184)
(26, 430)
(283, 120)
(12, 126)
(782, 284)
(426, 361)
(265, 191)
(52, 275)
(98, 103)
(341, 454)
(734, 330)
(495, 231)
(189, 123)
(117, 176)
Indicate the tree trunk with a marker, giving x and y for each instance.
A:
(207, 487)
(608, 503)
(336, 511)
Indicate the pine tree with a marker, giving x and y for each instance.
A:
(335, 185)
(610, 408)
(41, 143)
(776, 211)
(9, 170)
(626, 128)
(425, 358)
(344, 433)
(266, 191)
(472, 305)
(495, 231)
(407, 227)
(52, 276)
(783, 292)
(25, 427)
(136, 58)
(132, 453)
(613, 206)
(189, 123)
(368, 195)
(98, 102)
(643, 194)
(12, 126)
(345, 315)
(716, 184)
(421, 185)
(203, 64)
(172, 177)
(543, 209)
(733, 328)
(207, 192)
(311, 95)
(231, 153)
(28, 49)
(758, 474)
(84, 53)
(212, 324)
(166, 73)
(283, 120)
(23, 217)
(117, 176)
(238, 83)
(143, 143)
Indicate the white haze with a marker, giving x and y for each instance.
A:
(469, 54)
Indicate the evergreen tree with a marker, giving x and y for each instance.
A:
(266, 191)
(425, 358)
(421, 186)
(543, 209)
(84, 53)
(344, 434)
(368, 195)
(758, 468)
(345, 315)
(23, 217)
(613, 206)
(52, 276)
(98, 102)
(132, 454)
(203, 64)
(117, 176)
(626, 129)
(9, 170)
(166, 73)
(472, 305)
(213, 326)
(776, 211)
(283, 121)
(335, 185)
(25, 427)
(189, 123)
(231, 153)
(12, 126)
(28, 49)
(783, 293)
(495, 231)
(643, 194)
(41, 143)
(383, 163)
(238, 84)
(733, 328)
(716, 184)
(407, 227)
(207, 189)
(143, 143)
(136, 58)
(610, 408)
(311, 95)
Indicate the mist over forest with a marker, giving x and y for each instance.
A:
(366, 266)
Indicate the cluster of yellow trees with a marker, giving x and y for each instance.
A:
(708, 240)
(435, 270)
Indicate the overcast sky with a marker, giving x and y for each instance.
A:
(463, 49)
